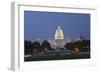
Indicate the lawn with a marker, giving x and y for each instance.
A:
(57, 57)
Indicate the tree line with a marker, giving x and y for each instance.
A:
(36, 46)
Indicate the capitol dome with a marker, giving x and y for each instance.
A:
(59, 33)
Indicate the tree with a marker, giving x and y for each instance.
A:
(45, 44)
(86, 44)
(69, 46)
(83, 46)
(36, 45)
(27, 47)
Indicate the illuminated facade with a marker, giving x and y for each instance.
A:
(59, 34)
(59, 37)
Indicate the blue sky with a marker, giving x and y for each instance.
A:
(42, 25)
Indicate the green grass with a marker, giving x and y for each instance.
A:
(57, 57)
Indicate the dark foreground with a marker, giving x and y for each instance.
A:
(57, 57)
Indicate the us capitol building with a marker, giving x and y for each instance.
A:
(58, 40)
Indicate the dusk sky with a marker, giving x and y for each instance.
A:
(42, 25)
